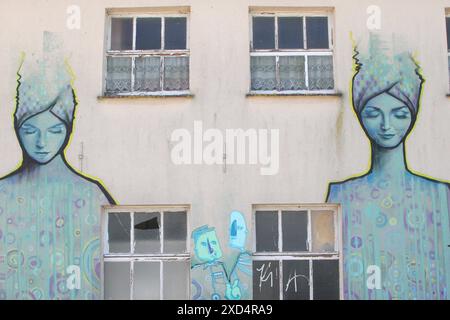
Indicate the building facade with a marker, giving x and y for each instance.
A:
(224, 149)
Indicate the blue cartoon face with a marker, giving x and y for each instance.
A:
(238, 230)
(386, 120)
(43, 136)
(207, 247)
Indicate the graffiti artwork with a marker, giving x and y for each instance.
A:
(394, 220)
(49, 212)
(212, 277)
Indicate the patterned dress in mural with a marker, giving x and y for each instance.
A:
(403, 229)
(49, 234)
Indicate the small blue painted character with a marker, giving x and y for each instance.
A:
(393, 219)
(209, 277)
(49, 213)
(241, 270)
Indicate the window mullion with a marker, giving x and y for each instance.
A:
(161, 280)
(277, 73)
(131, 280)
(280, 268)
(306, 72)
(309, 231)
(161, 74)
(133, 73)
(311, 289)
(305, 43)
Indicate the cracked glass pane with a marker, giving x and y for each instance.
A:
(119, 232)
(147, 232)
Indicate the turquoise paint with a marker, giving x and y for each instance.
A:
(49, 213)
(218, 277)
(392, 218)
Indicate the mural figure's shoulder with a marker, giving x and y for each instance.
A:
(429, 181)
(94, 184)
(335, 189)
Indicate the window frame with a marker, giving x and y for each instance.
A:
(310, 256)
(133, 53)
(447, 18)
(144, 257)
(305, 52)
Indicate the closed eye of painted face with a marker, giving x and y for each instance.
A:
(42, 136)
(386, 120)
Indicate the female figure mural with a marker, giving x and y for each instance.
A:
(395, 223)
(49, 213)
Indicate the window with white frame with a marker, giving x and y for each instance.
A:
(147, 54)
(145, 253)
(291, 52)
(297, 253)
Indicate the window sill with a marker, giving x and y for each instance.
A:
(290, 94)
(147, 95)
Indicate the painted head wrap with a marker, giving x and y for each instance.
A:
(377, 73)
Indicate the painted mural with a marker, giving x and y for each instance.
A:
(49, 212)
(395, 221)
(218, 277)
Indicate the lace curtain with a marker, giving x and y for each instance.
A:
(118, 75)
(263, 72)
(147, 74)
(292, 73)
(320, 72)
(176, 73)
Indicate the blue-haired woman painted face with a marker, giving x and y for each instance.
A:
(395, 223)
(50, 212)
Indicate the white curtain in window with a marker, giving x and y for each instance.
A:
(320, 72)
(292, 73)
(263, 73)
(147, 71)
(176, 73)
(118, 77)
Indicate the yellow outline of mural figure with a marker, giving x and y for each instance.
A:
(393, 218)
(50, 213)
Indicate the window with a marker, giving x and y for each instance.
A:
(147, 54)
(297, 253)
(145, 253)
(291, 53)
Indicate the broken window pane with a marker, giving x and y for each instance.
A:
(292, 73)
(176, 280)
(322, 229)
(146, 277)
(326, 279)
(266, 231)
(295, 230)
(147, 74)
(263, 33)
(317, 32)
(119, 232)
(266, 280)
(175, 33)
(121, 33)
(118, 79)
(147, 232)
(290, 32)
(296, 280)
(116, 280)
(148, 33)
(175, 232)
(263, 72)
